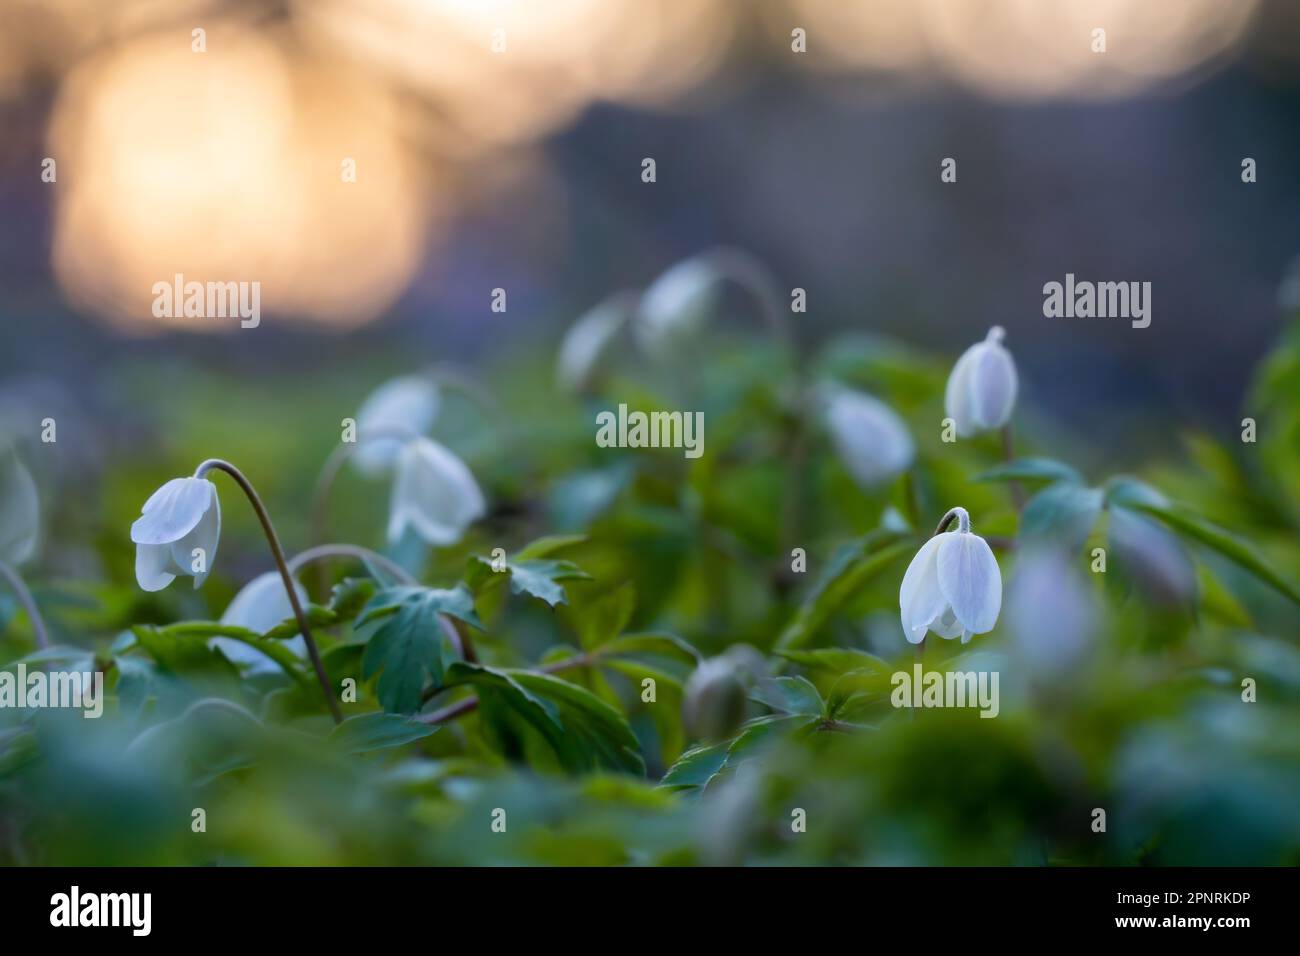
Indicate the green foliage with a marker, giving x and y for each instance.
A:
(552, 685)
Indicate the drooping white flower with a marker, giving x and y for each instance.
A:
(952, 587)
(676, 307)
(981, 390)
(872, 441)
(1050, 611)
(1152, 557)
(713, 700)
(590, 340)
(407, 404)
(260, 605)
(177, 533)
(434, 493)
(20, 510)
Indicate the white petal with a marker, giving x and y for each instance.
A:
(173, 510)
(1155, 559)
(20, 511)
(407, 404)
(676, 307)
(957, 393)
(153, 566)
(993, 386)
(588, 342)
(970, 580)
(261, 604)
(920, 599)
(205, 535)
(872, 441)
(434, 492)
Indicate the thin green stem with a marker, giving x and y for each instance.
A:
(19, 587)
(277, 552)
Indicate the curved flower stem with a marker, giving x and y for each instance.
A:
(277, 552)
(1009, 455)
(323, 552)
(751, 275)
(960, 515)
(19, 587)
(462, 707)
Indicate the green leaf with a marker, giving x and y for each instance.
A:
(549, 545)
(1031, 469)
(316, 615)
(696, 766)
(603, 618)
(183, 648)
(838, 660)
(1063, 511)
(789, 695)
(672, 651)
(350, 595)
(378, 731)
(852, 568)
(410, 647)
(1224, 542)
(579, 732)
(534, 578)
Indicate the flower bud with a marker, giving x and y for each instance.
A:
(260, 605)
(953, 586)
(1050, 611)
(981, 390)
(406, 404)
(589, 341)
(435, 493)
(180, 518)
(1153, 558)
(713, 703)
(675, 307)
(871, 440)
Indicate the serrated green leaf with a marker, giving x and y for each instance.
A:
(411, 647)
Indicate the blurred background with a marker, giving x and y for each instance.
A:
(498, 143)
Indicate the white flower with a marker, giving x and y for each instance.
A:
(981, 390)
(20, 510)
(870, 438)
(181, 517)
(259, 606)
(589, 341)
(407, 404)
(435, 493)
(1153, 558)
(1050, 611)
(676, 306)
(952, 587)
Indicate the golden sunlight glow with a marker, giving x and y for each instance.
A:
(228, 166)
(1019, 48)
